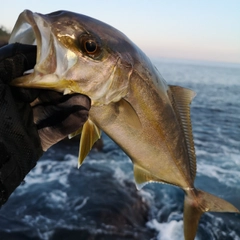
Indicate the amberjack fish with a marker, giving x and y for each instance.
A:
(131, 102)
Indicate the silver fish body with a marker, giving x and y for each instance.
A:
(131, 102)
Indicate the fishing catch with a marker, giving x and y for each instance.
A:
(131, 102)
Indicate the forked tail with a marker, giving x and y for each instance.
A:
(197, 202)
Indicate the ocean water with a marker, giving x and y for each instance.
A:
(99, 201)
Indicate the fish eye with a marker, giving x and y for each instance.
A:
(90, 45)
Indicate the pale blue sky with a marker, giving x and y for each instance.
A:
(188, 29)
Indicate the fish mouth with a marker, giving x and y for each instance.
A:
(28, 30)
(25, 30)
(53, 60)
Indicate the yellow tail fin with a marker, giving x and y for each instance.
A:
(197, 202)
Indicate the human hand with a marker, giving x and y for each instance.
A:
(57, 115)
(31, 120)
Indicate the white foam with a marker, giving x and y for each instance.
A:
(227, 176)
(84, 202)
(121, 175)
(172, 230)
(147, 195)
(50, 170)
(57, 196)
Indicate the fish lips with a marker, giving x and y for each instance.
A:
(35, 29)
(31, 29)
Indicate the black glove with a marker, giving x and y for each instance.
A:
(57, 115)
(20, 145)
(52, 117)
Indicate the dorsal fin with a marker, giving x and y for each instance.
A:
(181, 99)
(90, 134)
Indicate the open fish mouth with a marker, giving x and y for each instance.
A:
(53, 59)
(29, 30)
(26, 29)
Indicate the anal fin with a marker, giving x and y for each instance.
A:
(142, 177)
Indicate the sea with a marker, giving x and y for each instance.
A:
(99, 201)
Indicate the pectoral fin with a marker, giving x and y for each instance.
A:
(90, 134)
(128, 113)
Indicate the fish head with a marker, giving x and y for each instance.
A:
(75, 53)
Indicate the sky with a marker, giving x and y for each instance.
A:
(206, 30)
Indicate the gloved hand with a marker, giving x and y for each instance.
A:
(25, 130)
(57, 115)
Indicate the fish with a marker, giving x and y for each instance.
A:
(131, 102)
